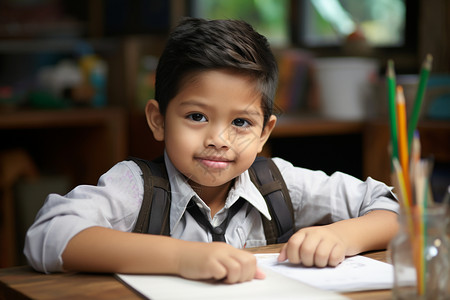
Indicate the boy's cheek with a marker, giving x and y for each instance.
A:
(245, 143)
(182, 141)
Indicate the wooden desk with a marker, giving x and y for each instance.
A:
(24, 283)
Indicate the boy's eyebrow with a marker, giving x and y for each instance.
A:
(194, 102)
(202, 104)
(250, 112)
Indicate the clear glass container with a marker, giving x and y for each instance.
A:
(420, 255)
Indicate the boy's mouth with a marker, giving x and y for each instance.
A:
(214, 162)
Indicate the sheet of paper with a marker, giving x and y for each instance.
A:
(357, 273)
(274, 286)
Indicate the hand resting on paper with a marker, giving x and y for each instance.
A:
(328, 245)
(98, 249)
(218, 260)
(314, 246)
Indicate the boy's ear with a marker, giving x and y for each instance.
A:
(270, 125)
(155, 119)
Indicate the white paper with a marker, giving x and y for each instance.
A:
(274, 286)
(357, 273)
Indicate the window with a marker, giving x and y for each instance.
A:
(322, 24)
(268, 17)
(328, 22)
(384, 23)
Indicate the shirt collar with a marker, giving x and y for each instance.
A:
(182, 193)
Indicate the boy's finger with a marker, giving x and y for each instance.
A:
(308, 250)
(234, 270)
(259, 274)
(293, 247)
(219, 272)
(322, 253)
(336, 257)
(245, 266)
(283, 254)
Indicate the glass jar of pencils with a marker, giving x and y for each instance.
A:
(420, 254)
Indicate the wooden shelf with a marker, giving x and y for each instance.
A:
(75, 144)
(96, 136)
(298, 125)
(367, 140)
(26, 119)
(60, 45)
(319, 143)
(434, 138)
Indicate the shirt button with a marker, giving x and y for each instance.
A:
(218, 230)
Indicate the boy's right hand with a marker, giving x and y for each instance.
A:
(218, 261)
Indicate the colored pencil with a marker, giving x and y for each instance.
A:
(403, 140)
(410, 173)
(390, 77)
(414, 119)
(422, 191)
(399, 183)
(414, 162)
(414, 153)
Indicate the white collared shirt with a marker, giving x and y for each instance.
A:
(244, 229)
(115, 202)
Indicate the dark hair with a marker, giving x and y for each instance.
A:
(200, 45)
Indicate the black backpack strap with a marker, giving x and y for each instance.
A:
(154, 215)
(269, 181)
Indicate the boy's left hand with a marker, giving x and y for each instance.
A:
(314, 246)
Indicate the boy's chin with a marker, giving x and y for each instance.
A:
(210, 180)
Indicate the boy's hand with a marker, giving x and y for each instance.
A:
(314, 246)
(218, 261)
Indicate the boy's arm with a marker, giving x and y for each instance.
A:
(99, 249)
(329, 244)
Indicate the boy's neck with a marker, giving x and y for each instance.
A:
(213, 196)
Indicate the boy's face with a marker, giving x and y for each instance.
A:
(213, 128)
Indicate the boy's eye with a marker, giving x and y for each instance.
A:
(197, 117)
(241, 123)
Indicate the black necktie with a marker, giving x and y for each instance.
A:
(218, 232)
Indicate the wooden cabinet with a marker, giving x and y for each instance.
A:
(84, 142)
(359, 148)
(76, 143)
(435, 143)
(79, 144)
(318, 143)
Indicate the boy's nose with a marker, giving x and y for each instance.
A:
(218, 137)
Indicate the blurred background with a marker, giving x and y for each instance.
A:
(75, 77)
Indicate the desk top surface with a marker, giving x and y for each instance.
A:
(24, 283)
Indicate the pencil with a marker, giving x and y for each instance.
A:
(414, 158)
(421, 182)
(403, 140)
(424, 74)
(415, 152)
(390, 77)
(399, 183)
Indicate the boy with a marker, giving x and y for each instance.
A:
(215, 85)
